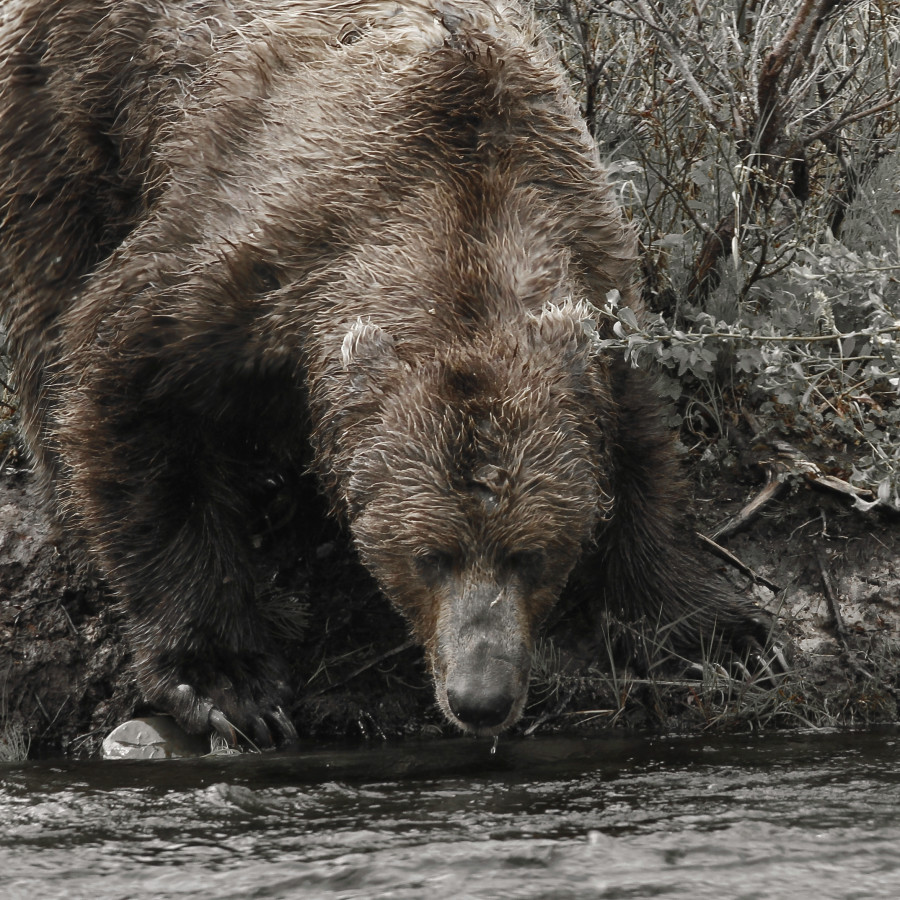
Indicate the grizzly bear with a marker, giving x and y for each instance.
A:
(370, 237)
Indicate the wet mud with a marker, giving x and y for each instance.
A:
(828, 572)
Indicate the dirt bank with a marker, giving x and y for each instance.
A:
(64, 668)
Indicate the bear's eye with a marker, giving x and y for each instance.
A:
(433, 563)
(526, 562)
(265, 277)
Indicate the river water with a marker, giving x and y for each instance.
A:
(802, 816)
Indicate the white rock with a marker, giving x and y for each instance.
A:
(154, 737)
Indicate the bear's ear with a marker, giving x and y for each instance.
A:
(368, 355)
(567, 331)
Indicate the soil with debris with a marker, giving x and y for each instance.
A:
(828, 570)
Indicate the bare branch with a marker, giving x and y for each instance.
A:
(848, 119)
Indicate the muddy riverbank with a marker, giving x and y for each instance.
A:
(827, 570)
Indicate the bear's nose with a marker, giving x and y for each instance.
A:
(478, 702)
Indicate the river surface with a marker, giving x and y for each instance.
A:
(802, 816)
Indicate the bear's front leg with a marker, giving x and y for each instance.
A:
(647, 563)
(159, 491)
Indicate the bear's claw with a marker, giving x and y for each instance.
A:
(260, 725)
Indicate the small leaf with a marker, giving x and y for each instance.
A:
(627, 317)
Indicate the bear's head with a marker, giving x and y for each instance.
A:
(480, 481)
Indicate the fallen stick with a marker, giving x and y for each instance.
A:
(748, 513)
(364, 667)
(840, 627)
(833, 603)
(797, 462)
(729, 557)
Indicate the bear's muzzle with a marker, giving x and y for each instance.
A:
(483, 659)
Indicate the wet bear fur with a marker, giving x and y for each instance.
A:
(370, 237)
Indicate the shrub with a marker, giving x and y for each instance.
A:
(755, 144)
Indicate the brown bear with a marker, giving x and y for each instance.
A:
(232, 230)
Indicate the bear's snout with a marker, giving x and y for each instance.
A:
(484, 660)
(483, 691)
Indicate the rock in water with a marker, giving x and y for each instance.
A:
(155, 737)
